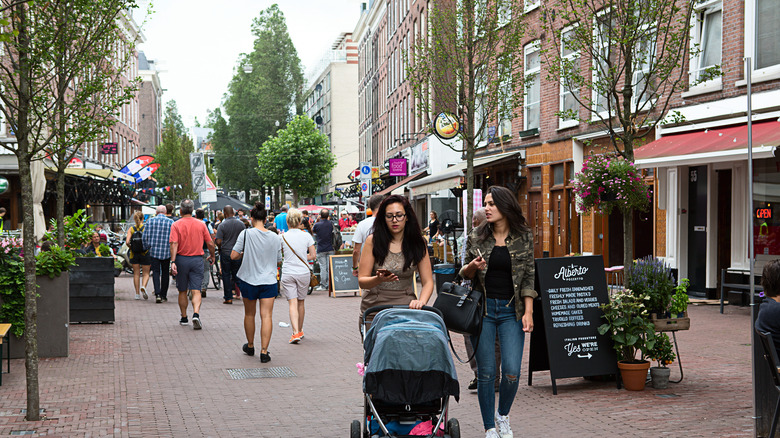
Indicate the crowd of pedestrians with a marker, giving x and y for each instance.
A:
(389, 253)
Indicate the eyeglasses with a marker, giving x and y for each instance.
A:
(395, 218)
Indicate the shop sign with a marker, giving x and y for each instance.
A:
(3, 185)
(419, 157)
(446, 126)
(398, 166)
(75, 163)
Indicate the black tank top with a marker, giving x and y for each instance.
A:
(498, 279)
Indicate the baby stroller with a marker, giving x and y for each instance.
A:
(409, 375)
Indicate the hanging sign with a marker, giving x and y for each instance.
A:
(3, 185)
(398, 166)
(446, 126)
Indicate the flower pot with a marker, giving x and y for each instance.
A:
(634, 375)
(660, 377)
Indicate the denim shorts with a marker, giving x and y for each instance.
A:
(252, 292)
(189, 272)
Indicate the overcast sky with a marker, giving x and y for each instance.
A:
(196, 43)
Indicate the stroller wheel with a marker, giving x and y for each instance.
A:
(453, 428)
(354, 429)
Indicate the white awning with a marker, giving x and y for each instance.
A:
(452, 176)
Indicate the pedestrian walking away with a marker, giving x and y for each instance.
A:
(227, 234)
(500, 262)
(188, 235)
(157, 239)
(281, 220)
(139, 256)
(363, 230)
(261, 252)
(323, 229)
(392, 255)
(296, 244)
(201, 214)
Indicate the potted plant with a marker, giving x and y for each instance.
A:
(92, 279)
(52, 278)
(652, 277)
(607, 182)
(676, 317)
(661, 353)
(633, 335)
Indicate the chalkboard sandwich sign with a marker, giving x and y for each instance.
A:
(342, 282)
(571, 289)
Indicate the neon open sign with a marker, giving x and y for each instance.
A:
(764, 213)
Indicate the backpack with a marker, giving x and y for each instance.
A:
(136, 241)
(335, 238)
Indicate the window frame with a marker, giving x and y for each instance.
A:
(530, 5)
(563, 123)
(698, 37)
(533, 46)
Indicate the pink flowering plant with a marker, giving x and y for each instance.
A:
(607, 182)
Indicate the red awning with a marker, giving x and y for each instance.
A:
(710, 145)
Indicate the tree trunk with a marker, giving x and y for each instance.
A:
(295, 198)
(30, 291)
(61, 207)
(628, 242)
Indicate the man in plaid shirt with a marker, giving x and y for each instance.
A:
(155, 238)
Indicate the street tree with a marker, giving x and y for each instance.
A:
(89, 88)
(173, 155)
(298, 159)
(621, 62)
(265, 92)
(466, 65)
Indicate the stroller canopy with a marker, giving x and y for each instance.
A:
(408, 358)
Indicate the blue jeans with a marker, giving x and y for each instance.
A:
(161, 276)
(322, 258)
(229, 274)
(500, 318)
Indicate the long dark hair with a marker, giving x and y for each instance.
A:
(413, 245)
(507, 204)
(259, 213)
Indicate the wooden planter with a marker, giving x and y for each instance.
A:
(92, 290)
(671, 324)
(53, 334)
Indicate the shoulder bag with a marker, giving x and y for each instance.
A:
(462, 311)
(313, 280)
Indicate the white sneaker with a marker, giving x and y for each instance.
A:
(502, 424)
(137, 296)
(491, 433)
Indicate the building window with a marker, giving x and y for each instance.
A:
(530, 4)
(767, 33)
(644, 83)
(601, 29)
(504, 12)
(506, 94)
(708, 37)
(558, 174)
(532, 67)
(569, 105)
(536, 176)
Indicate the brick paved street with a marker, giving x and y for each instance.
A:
(148, 376)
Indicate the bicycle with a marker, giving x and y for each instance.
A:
(216, 272)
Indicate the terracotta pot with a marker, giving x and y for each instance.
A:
(634, 375)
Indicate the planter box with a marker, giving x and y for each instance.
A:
(53, 334)
(671, 324)
(92, 290)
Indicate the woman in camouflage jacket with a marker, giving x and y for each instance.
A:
(500, 260)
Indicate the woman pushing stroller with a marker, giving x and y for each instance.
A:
(392, 255)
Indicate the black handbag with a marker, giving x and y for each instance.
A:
(461, 307)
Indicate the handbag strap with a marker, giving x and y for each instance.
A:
(296, 254)
(456, 353)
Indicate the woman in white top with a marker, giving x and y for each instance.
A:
(261, 254)
(296, 244)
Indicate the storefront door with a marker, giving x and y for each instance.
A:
(536, 221)
(697, 229)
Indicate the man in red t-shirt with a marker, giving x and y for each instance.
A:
(187, 238)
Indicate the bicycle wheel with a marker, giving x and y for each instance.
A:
(216, 278)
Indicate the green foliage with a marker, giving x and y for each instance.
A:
(257, 103)
(173, 154)
(679, 302)
(606, 182)
(54, 261)
(651, 277)
(629, 325)
(77, 231)
(662, 351)
(298, 158)
(468, 64)
(117, 264)
(12, 284)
